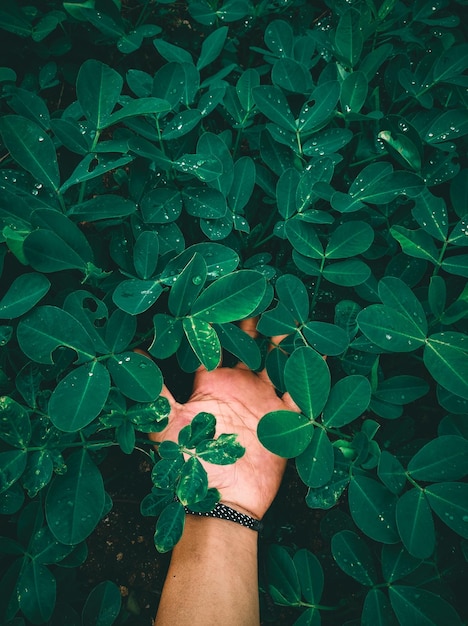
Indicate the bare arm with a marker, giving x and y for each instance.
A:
(212, 578)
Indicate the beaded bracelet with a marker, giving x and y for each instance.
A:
(222, 511)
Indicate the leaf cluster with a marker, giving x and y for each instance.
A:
(170, 169)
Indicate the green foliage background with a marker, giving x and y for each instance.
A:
(169, 169)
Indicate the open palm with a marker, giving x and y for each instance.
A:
(238, 398)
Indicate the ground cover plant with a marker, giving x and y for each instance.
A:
(168, 169)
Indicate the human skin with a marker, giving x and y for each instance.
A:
(212, 577)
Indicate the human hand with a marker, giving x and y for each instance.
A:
(238, 398)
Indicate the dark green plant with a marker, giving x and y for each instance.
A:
(169, 169)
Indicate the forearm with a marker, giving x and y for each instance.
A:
(212, 578)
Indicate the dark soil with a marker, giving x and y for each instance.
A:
(122, 550)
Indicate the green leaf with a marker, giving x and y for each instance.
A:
(181, 124)
(38, 471)
(347, 273)
(349, 37)
(136, 376)
(279, 38)
(91, 312)
(372, 508)
(98, 88)
(379, 184)
(397, 563)
(204, 341)
(416, 243)
(349, 240)
(446, 358)
(205, 168)
(413, 605)
(30, 105)
(169, 82)
(168, 333)
(348, 399)
(172, 53)
(102, 207)
(273, 104)
(15, 21)
(315, 464)
(75, 500)
(155, 502)
(79, 397)
(310, 574)
(32, 148)
(203, 426)
(142, 106)
(291, 76)
(431, 214)
(450, 502)
(13, 464)
(353, 556)
(277, 321)
(212, 47)
(166, 472)
(282, 574)
(304, 238)
(36, 591)
(307, 379)
(286, 192)
(401, 389)
(353, 92)
(193, 482)
(231, 297)
(120, 330)
(391, 472)
(161, 206)
(415, 523)
(240, 344)
(326, 338)
(15, 425)
(327, 141)
(285, 433)
(187, 286)
(389, 329)
(243, 184)
(313, 116)
(224, 450)
(48, 328)
(327, 496)
(293, 295)
(204, 202)
(249, 79)
(47, 252)
(456, 264)
(442, 459)
(169, 527)
(102, 605)
(94, 165)
(145, 254)
(45, 549)
(376, 610)
(135, 295)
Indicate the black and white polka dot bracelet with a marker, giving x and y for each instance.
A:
(221, 511)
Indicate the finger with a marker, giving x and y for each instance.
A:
(249, 326)
(165, 393)
(289, 402)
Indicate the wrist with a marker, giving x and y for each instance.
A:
(204, 536)
(229, 514)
